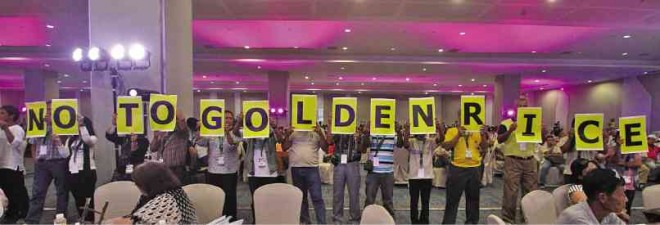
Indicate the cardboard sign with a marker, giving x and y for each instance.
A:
(633, 132)
(529, 125)
(473, 112)
(36, 124)
(129, 115)
(421, 113)
(344, 117)
(64, 116)
(212, 117)
(589, 132)
(162, 112)
(255, 119)
(303, 112)
(382, 116)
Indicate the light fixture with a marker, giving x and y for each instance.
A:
(551, 1)
(392, 49)
(118, 52)
(66, 75)
(77, 54)
(280, 110)
(646, 73)
(426, 93)
(94, 53)
(312, 83)
(407, 79)
(460, 85)
(533, 52)
(624, 54)
(84, 81)
(258, 67)
(198, 91)
(246, 47)
(344, 48)
(343, 68)
(24, 109)
(626, 36)
(204, 76)
(462, 33)
(212, 82)
(543, 71)
(361, 84)
(137, 52)
(561, 89)
(536, 81)
(306, 78)
(238, 82)
(472, 79)
(441, 50)
(435, 85)
(373, 78)
(46, 65)
(347, 30)
(47, 45)
(589, 81)
(337, 83)
(273, 110)
(542, 88)
(485, 85)
(295, 47)
(359, 92)
(424, 69)
(510, 112)
(50, 26)
(133, 92)
(59, 81)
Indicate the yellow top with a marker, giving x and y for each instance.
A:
(513, 148)
(461, 156)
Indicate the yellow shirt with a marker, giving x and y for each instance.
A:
(460, 157)
(513, 148)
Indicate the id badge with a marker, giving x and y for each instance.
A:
(523, 146)
(420, 173)
(376, 161)
(344, 159)
(627, 179)
(468, 154)
(221, 160)
(261, 163)
(43, 150)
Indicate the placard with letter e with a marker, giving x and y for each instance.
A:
(589, 132)
(529, 125)
(129, 115)
(212, 117)
(382, 116)
(421, 113)
(303, 112)
(344, 118)
(473, 112)
(255, 119)
(64, 116)
(162, 112)
(36, 125)
(633, 132)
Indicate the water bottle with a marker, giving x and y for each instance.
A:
(59, 219)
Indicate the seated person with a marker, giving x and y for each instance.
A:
(605, 198)
(552, 155)
(579, 169)
(162, 198)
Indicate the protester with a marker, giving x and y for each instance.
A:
(489, 159)
(172, 147)
(380, 169)
(50, 164)
(303, 148)
(464, 172)
(12, 166)
(81, 176)
(132, 149)
(552, 157)
(579, 169)
(571, 153)
(605, 197)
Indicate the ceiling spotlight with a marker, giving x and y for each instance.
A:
(246, 47)
(543, 71)
(280, 110)
(341, 78)
(198, 91)
(312, 83)
(344, 48)
(347, 30)
(373, 78)
(84, 81)
(624, 54)
(407, 79)
(66, 75)
(536, 81)
(118, 52)
(306, 78)
(77, 54)
(272, 110)
(462, 33)
(626, 36)
(47, 45)
(435, 85)
(132, 92)
(137, 52)
(460, 85)
(441, 50)
(362, 84)
(472, 79)
(485, 85)
(94, 53)
(533, 52)
(343, 68)
(392, 49)
(204, 76)
(589, 81)
(337, 83)
(49, 26)
(258, 67)
(424, 69)
(59, 81)
(542, 89)
(238, 82)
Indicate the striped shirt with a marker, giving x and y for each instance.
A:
(385, 154)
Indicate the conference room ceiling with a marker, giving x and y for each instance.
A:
(401, 46)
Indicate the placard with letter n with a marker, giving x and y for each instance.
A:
(303, 112)
(36, 125)
(129, 115)
(421, 113)
(473, 112)
(589, 132)
(633, 132)
(382, 116)
(529, 125)
(256, 119)
(64, 116)
(344, 118)
(212, 117)
(162, 112)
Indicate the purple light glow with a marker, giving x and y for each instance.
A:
(24, 109)
(510, 112)
(272, 110)
(280, 111)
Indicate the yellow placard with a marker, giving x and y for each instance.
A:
(64, 116)
(382, 116)
(633, 132)
(344, 115)
(36, 125)
(162, 112)
(212, 117)
(589, 132)
(255, 119)
(421, 114)
(473, 112)
(529, 125)
(129, 115)
(303, 112)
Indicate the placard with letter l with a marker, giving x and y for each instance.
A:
(421, 113)
(36, 125)
(129, 115)
(64, 116)
(162, 112)
(212, 117)
(529, 125)
(589, 132)
(344, 118)
(255, 119)
(633, 132)
(473, 112)
(383, 112)
(303, 112)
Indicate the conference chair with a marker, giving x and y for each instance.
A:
(651, 197)
(376, 214)
(277, 204)
(560, 195)
(208, 201)
(539, 207)
(494, 220)
(118, 198)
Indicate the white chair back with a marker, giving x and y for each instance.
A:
(560, 194)
(122, 197)
(539, 207)
(494, 220)
(651, 197)
(376, 214)
(271, 199)
(208, 201)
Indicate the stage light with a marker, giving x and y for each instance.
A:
(137, 52)
(510, 112)
(441, 50)
(132, 92)
(272, 110)
(280, 111)
(77, 54)
(94, 53)
(24, 109)
(118, 52)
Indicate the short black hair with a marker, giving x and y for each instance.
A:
(601, 181)
(12, 111)
(155, 178)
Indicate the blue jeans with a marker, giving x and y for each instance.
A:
(309, 179)
(44, 172)
(545, 167)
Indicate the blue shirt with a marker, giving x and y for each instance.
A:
(385, 153)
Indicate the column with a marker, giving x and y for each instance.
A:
(651, 83)
(40, 85)
(164, 28)
(278, 91)
(507, 92)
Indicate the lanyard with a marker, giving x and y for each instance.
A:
(421, 152)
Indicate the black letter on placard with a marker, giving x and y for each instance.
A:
(216, 119)
(351, 115)
(36, 120)
(581, 129)
(427, 117)
(170, 112)
(467, 113)
(530, 119)
(129, 112)
(299, 117)
(248, 119)
(630, 134)
(379, 116)
(57, 118)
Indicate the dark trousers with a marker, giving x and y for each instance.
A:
(308, 179)
(630, 194)
(255, 183)
(46, 171)
(417, 188)
(13, 184)
(82, 186)
(384, 182)
(227, 182)
(461, 179)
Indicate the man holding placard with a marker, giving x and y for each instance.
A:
(380, 166)
(170, 133)
(127, 131)
(586, 138)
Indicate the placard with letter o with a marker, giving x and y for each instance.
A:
(162, 112)
(255, 119)
(64, 116)
(129, 115)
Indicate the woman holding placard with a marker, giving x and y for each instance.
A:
(81, 177)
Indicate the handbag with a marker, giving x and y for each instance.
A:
(369, 165)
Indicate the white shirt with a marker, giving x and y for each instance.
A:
(77, 159)
(581, 214)
(261, 168)
(223, 158)
(11, 154)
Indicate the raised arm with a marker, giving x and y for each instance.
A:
(287, 143)
(505, 136)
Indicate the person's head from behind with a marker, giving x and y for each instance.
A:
(154, 178)
(580, 168)
(604, 190)
(9, 114)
